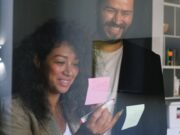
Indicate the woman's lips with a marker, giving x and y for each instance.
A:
(64, 82)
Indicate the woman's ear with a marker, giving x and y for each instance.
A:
(36, 61)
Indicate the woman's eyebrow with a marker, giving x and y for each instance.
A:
(64, 56)
(60, 55)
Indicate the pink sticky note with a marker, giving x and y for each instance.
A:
(97, 90)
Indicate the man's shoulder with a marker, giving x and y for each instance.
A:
(135, 49)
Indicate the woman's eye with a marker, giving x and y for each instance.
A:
(60, 62)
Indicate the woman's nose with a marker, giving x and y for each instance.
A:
(68, 70)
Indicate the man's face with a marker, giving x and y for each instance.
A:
(115, 17)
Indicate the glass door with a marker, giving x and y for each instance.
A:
(6, 21)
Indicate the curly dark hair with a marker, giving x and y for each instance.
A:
(28, 83)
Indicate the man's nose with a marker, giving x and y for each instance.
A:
(118, 17)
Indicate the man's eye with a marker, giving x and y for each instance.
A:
(110, 10)
(126, 13)
(76, 64)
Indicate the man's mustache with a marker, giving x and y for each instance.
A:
(112, 24)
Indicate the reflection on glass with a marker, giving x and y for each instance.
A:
(2, 70)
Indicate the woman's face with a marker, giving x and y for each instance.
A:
(61, 68)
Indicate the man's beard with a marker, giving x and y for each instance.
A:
(112, 38)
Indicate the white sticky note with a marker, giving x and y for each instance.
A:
(133, 115)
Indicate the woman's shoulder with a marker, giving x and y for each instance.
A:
(15, 120)
(17, 102)
(13, 106)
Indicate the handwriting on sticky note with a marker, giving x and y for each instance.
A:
(133, 115)
(98, 90)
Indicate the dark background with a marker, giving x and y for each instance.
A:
(30, 14)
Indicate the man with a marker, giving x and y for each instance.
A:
(115, 17)
(135, 72)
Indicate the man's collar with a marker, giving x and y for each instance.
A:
(107, 46)
(108, 41)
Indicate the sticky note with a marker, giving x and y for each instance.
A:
(98, 90)
(133, 115)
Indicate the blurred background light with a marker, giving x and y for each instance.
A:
(2, 41)
(2, 70)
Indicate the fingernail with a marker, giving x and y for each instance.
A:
(103, 107)
(120, 112)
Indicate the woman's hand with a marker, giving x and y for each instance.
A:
(102, 121)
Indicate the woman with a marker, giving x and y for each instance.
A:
(45, 67)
